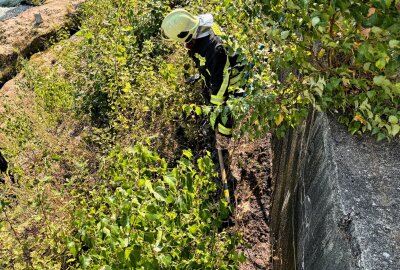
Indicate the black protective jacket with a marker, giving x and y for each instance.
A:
(217, 72)
(214, 52)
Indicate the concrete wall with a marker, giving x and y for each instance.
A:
(336, 199)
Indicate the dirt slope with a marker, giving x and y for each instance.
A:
(251, 173)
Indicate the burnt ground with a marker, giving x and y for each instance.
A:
(250, 168)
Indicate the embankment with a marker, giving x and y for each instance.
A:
(20, 36)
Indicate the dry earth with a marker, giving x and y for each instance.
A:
(250, 167)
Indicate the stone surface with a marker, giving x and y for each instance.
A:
(9, 3)
(336, 199)
(19, 35)
(7, 13)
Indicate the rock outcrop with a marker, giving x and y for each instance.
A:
(21, 36)
(336, 199)
(10, 12)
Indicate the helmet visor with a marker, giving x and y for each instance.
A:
(185, 35)
(182, 36)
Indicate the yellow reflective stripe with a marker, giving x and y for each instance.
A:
(226, 194)
(217, 100)
(224, 130)
(225, 82)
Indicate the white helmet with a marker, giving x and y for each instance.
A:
(180, 25)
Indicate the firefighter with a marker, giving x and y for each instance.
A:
(221, 73)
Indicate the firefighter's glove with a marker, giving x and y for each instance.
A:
(192, 79)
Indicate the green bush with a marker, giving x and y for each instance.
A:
(143, 215)
(339, 56)
(115, 83)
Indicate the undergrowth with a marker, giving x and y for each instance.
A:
(74, 132)
(96, 133)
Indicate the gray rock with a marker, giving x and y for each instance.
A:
(9, 12)
(10, 3)
(3, 11)
(38, 19)
(336, 199)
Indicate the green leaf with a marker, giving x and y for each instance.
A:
(285, 34)
(388, 3)
(206, 110)
(315, 21)
(149, 185)
(376, 30)
(393, 119)
(3, 204)
(381, 81)
(166, 260)
(157, 246)
(394, 43)
(224, 118)
(395, 129)
(198, 110)
(381, 63)
(192, 229)
(85, 261)
(187, 109)
(127, 253)
(373, 20)
(72, 248)
(170, 179)
(396, 88)
(332, 44)
(381, 136)
(106, 231)
(371, 94)
(187, 153)
(159, 197)
(366, 66)
(170, 199)
(153, 217)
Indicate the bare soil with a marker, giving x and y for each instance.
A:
(250, 166)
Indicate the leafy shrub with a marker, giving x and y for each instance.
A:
(123, 78)
(145, 215)
(115, 83)
(53, 93)
(340, 56)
